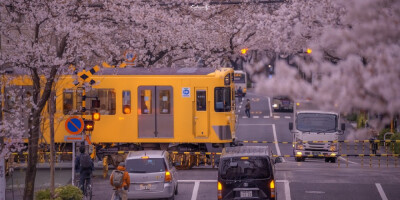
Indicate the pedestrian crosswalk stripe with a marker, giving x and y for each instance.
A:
(255, 116)
(266, 116)
(287, 117)
(277, 117)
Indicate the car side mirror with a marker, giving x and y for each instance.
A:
(290, 125)
(278, 159)
(343, 126)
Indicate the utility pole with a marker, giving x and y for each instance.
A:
(52, 145)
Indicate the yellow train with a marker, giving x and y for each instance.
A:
(160, 106)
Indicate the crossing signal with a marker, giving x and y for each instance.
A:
(309, 51)
(244, 51)
(89, 125)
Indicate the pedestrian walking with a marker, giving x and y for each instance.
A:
(247, 111)
(120, 180)
(240, 93)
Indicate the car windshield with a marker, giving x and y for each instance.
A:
(237, 168)
(316, 122)
(149, 165)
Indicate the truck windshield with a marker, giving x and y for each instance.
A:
(237, 168)
(316, 122)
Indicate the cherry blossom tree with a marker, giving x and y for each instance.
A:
(354, 64)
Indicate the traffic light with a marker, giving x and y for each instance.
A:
(244, 51)
(89, 125)
(96, 116)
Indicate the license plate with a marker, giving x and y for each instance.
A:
(145, 186)
(315, 153)
(246, 194)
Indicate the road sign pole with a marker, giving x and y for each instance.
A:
(73, 163)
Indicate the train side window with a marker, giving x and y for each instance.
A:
(68, 101)
(165, 102)
(201, 100)
(126, 101)
(222, 99)
(72, 101)
(145, 102)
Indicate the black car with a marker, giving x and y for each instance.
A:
(247, 172)
(282, 103)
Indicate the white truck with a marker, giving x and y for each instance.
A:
(315, 132)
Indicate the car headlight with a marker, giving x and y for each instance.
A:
(275, 105)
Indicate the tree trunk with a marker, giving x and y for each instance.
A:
(52, 147)
(33, 143)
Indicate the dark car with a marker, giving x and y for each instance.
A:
(246, 172)
(282, 103)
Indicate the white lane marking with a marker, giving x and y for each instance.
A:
(287, 117)
(255, 117)
(381, 192)
(278, 151)
(277, 117)
(195, 190)
(287, 188)
(266, 116)
(315, 192)
(270, 108)
(192, 181)
(244, 117)
(341, 158)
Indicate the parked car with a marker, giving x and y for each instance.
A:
(282, 103)
(247, 172)
(152, 175)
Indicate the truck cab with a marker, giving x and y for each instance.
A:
(315, 133)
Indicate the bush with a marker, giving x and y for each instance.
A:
(396, 145)
(67, 192)
(42, 194)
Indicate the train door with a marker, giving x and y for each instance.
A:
(201, 114)
(155, 116)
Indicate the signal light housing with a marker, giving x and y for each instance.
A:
(95, 116)
(89, 125)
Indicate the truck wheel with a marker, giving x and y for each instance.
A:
(333, 160)
(327, 159)
(298, 159)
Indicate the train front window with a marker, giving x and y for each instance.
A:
(72, 101)
(222, 99)
(145, 101)
(165, 102)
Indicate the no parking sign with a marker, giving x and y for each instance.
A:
(74, 125)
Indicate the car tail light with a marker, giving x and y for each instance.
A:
(272, 187)
(219, 190)
(167, 176)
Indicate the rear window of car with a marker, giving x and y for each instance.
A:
(149, 165)
(238, 168)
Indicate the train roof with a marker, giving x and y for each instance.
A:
(156, 71)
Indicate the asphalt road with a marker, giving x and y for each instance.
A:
(349, 178)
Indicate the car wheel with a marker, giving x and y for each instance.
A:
(176, 190)
(298, 159)
(327, 159)
(333, 160)
(172, 198)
